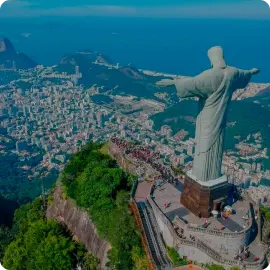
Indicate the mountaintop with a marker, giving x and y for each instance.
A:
(9, 58)
(125, 79)
(96, 56)
(6, 45)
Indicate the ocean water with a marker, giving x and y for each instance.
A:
(169, 45)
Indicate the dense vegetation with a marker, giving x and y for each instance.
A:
(128, 80)
(35, 243)
(265, 212)
(14, 182)
(216, 267)
(175, 257)
(94, 181)
(8, 75)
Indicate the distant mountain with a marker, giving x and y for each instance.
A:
(133, 73)
(9, 58)
(96, 56)
(265, 92)
(126, 80)
(262, 98)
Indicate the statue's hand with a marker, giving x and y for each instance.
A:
(165, 82)
(255, 71)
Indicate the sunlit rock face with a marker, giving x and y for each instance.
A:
(6, 45)
(77, 221)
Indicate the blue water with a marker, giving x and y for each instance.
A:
(169, 45)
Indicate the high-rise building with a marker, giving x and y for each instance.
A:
(77, 70)
(247, 182)
(190, 150)
(166, 131)
(100, 119)
(13, 65)
(123, 133)
(122, 126)
(259, 168)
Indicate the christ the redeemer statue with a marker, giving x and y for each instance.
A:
(214, 88)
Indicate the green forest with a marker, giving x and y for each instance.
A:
(93, 180)
(33, 242)
(14, 183)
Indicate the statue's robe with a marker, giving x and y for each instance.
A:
(214, 88)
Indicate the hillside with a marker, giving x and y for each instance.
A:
(125, 80)
(10, 58)
(14, 182)
(96, 56)
(96, 184)
(34, 242)
(88, 209)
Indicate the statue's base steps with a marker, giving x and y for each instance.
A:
(202, 199)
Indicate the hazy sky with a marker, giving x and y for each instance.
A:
(138, 8)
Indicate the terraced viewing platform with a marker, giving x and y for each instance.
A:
(220, 245)
(234, 223)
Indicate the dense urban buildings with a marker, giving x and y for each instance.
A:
(51, 121)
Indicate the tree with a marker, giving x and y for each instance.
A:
(175, 257)
(5, 239)
(102, 188)
(139, 258)
(26, 215)
(90, 262)
(216, 267)
(42, 246)
(235, 268)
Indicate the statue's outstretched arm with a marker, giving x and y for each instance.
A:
(244, 77)
(198, 86)
(251, 72)
(186, 87)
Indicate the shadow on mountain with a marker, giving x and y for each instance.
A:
(7, 209)
(123, 80)
(10, 58)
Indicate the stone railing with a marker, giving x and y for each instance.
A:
(201, 245)
(134, 188)
(195, 243)
(223, 234)
(213, 232)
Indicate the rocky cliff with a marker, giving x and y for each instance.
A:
(79, 224)
(9, 58)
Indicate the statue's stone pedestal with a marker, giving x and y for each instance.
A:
(203, 197)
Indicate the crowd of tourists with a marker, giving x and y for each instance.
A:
(143, 153)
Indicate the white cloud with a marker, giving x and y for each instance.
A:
(254, 9)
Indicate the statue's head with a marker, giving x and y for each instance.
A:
(216, 57)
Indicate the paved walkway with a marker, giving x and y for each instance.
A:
(172, 195)
(234, 223)
(188, 267)
(143, 191)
